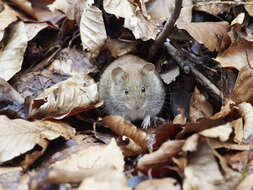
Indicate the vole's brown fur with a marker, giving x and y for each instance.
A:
(131, 87)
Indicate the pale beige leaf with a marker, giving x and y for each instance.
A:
(32, 29)
(7, 16)
(93, 156)
(159, 184)
(249, 8)
(9, 177)
(202, 170)
(246, 183)
(238, 130)
(92, 29)
(11, 56)
(170, 75)
(191, 143)
(239, 19)
(222, 132)
(105, 180)
(19, 136)
(65, 6)
(207, 32)
(141, 27)
(163, 154)
(80, 91)
(236, 55)
(246, 111)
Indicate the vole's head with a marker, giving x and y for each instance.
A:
(133, 89)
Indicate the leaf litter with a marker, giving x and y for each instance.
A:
(54, 132)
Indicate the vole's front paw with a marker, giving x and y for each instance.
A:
(146, 122)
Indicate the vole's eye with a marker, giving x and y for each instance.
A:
(143, 89)
(126, 91)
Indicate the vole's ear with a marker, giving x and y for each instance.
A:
(118, 75)
(148, 68)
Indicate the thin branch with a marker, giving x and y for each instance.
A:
(199, 77)
(167, 30)
(203, 3)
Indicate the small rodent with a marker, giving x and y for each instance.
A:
(132, 88)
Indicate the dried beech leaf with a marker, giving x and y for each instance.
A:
(26, 6)
(236, 55)
(91, 156)
(135, 21)
(230, 146)
(19, 136)
(159, 184)
(180, 118)
(62, 98)
(238, 130)
(191, 143)
(163, 154)
(122, 128)
(249, 8)
(246, 111)
(105, 180)
(65, 6)
(208, 33)
(199, 107)
(11, 56)
(246, 183)
(32, 29)
(213, 8)
(201, 162)
(7, 16)
(222, 132)
(92, 29)
(170, 75)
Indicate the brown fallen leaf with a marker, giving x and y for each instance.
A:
(249, 8)
(162, 155)
(191, 143)
(180, 118)
(122, 128)
(19, 136)
(26, 6)
(59, 100)
(246, 183)
(211, 34)
(201, 163)
(95, 156)
(199, 107)
(159, 184)
(12, 55)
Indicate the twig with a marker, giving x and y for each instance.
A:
(203, 3)
(167, 30)
(187, 65)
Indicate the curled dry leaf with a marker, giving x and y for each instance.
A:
(246, 183)
(78, 92)
(141, 27)
(222, 132)
(180, 118)
(92, 156)
(106, 180)
(170, 75)
(211, 34)
(19, 136)
(92, 30)
(165, 183)
(71, 62)
(7, 16)
(249, 8)
(214, 9)
(11, 56)
(246, 111)
(191, 143)
(122, 128)
(26, 6)
(238, 130)
(199, 163)
(163, 154)
(199, 107)
(32, 29)
(65, 6)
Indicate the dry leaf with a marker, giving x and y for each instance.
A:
(32, 29)
(26, 6)
(236, 55)
(201, 163)
(222, 132)
(246, 183)
(191, 143)
(214, 9)
(122, 128)
(7, 16)
(11, 56)
(19, 136)
(159, 184)
(135, 21)
(180, 118)
(210, 34)
(249, 8)
(163, 154)
(170, 75)
(92, 30)
(65, 6)
(9, 177)
(59, 100)
(90, 156)
(199, 107)
(246, 111)
(105, 180)
(238, 130)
